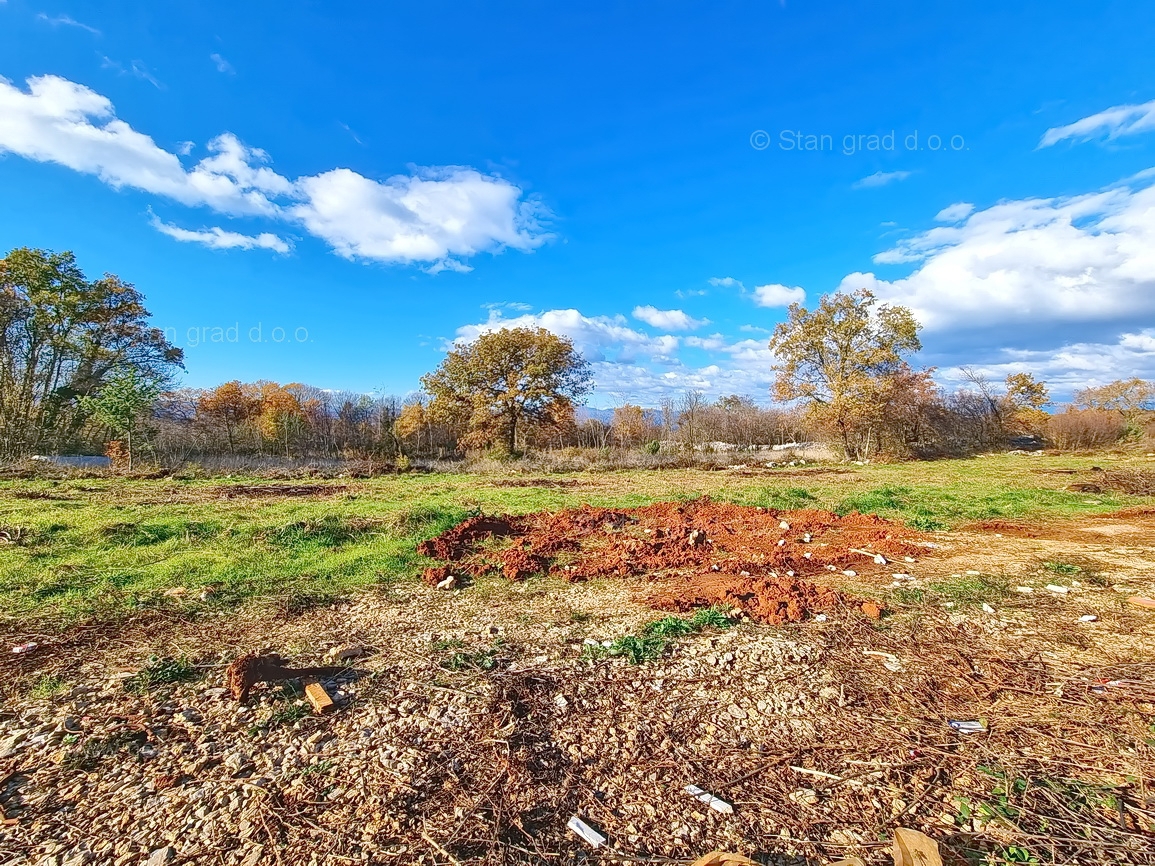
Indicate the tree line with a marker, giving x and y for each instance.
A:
(81, 370)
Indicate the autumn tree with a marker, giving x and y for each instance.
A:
(629, 424)
(62, 337)
(507, 379)
(229, 406)
(1131, 399)
(840, 359)
(1025, 398)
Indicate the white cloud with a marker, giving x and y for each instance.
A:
(142, 72)
(670, 320)
(724, 282)
(435, 215)
(777, 295)
(954, 213)
(1031, 262)
(1073, 366)
(1113, 123)
(428, 216)
(219, 239)
(66, 21)
(222, 64)
(629, 365)
(880, 178)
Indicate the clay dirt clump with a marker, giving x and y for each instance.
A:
(775, 566)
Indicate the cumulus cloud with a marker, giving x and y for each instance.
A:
(1112, 123)
(434, 215)
(219, 239)
(598, 338)
(630, 365)
(1031, 262)
(1073, 366)
(880, 178)
(670, 320)
(954, 213)
(777, 295)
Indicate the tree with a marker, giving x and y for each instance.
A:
(506, 379)
(1130, 398)
(839, 358)
(1026, 396)
(629, 424)
(62, 336)
(229, 406)
(123, 402)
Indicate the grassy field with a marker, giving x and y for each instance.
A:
(81, 548)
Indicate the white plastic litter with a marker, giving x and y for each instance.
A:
(710, 800)
(586, 832)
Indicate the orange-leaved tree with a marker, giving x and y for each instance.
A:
(507, 380)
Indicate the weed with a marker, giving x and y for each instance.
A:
(95, 750)
(482, 660)
(318, 768)
(286, 716)
(47, 686)
(580, 616)
(1066, 569)
(443, 644)
(908, 595)
(161, 672)
(971, 590)
(655, 636)
(298, 603)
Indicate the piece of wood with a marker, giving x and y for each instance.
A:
(1142, 601)
(317, 696)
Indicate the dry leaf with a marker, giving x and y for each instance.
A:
(912, 848)
(723, 858)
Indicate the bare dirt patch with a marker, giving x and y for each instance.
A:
(762, 561)
(268, 491)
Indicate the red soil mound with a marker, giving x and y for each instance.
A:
(699, 552)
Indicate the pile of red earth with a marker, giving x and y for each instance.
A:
(695, 554)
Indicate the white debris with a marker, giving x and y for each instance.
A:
(586, 832)
(1061, 590)
(710, 800)
(1088, 617)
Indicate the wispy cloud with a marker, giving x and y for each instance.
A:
(222, 64)
(955, 213)
(141, 71)
(880, 178)
(349, 130)
(66, 21)
(219, 239)
(1112, 123)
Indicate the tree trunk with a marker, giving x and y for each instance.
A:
(512, 443)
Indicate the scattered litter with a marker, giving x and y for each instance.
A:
(449, 583)
(987, 608)
(973, 573)
(1088, 617)
(902, 575)
(710, 800)
(820, 617)
(850, 572)
(972, 727)
(587, 833)
(878, 558)
(1061, 590)
(25, 647)
(1141, 601)
(783, 525)
(1025, 590)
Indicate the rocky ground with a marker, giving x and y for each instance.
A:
(473, 723)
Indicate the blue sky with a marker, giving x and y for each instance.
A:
(341, 189)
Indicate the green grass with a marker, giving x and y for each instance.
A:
(161, 672)
(106, 547)
(656, 637)
(46, 687)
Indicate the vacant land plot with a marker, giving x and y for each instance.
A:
(589, 668)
